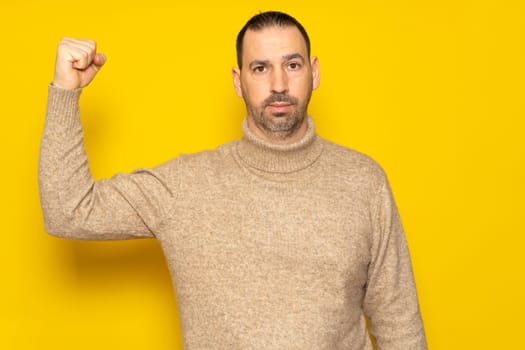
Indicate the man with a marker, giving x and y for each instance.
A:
(280, 240)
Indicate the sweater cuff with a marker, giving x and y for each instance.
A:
(63, 106)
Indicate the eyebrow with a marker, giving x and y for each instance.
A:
(259, 63)
(293, 56)
(285, 58)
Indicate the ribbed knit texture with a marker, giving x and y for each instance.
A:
(270, 247)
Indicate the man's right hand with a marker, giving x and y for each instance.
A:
(77, 63)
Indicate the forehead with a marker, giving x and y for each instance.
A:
(273, 41)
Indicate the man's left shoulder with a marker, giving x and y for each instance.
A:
(349, 161)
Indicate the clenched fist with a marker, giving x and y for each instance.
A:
(77, 63)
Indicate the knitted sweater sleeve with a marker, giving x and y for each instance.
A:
(391, 300)
(76, 206)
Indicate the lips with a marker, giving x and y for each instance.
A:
(279, 107)
(278, 100)
(279, 104)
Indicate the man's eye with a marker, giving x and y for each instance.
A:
(294, 66)
(259, 69)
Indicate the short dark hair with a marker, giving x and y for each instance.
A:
(269, 19)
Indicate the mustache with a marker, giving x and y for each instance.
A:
(280, 97)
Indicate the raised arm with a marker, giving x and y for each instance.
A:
(73, 204)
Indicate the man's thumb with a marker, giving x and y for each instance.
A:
(99, 60)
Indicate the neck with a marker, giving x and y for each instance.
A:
(279, 137)
(270, 157)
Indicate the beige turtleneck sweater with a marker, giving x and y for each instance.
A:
(270, 247)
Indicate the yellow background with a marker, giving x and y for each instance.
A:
(433, 90)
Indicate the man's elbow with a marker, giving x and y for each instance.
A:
(57, 228)
(57, 222)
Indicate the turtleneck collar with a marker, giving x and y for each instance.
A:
(279, 158)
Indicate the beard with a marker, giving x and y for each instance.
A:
(279, 125)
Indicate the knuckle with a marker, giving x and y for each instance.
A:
(62, 48)
(91, 44)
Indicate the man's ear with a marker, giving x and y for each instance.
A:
(316, 80)
(236, 75)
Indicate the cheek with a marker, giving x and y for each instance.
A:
(301, 88)
(255, 92)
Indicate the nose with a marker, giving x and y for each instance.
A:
(279, 83)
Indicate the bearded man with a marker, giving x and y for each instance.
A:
(279, 240)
